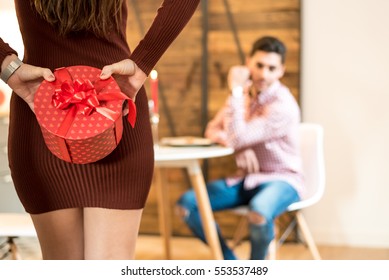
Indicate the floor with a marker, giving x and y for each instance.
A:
(150, 248)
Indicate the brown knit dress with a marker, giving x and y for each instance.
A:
(122, 179)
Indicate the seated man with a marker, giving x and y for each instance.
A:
(260, 121)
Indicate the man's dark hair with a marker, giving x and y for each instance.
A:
(269, 44)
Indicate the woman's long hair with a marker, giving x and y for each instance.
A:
(99, 16)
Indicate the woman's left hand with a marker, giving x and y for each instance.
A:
(127, 74)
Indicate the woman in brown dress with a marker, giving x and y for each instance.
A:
(84, 211)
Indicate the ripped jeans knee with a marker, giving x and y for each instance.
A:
(186, 205)
(186, 208)
(261, 234)
(181, 212)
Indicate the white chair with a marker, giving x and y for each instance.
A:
(311, 137)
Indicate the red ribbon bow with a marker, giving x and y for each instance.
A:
(83, 95)
(80, 93)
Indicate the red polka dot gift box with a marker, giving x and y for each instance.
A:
(80, 115)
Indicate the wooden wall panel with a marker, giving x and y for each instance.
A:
(180, 77)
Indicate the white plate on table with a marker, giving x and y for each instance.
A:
(186, 141)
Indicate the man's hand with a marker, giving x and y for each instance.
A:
(239, 76)
(247, 161)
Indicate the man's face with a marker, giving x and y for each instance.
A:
(265, 69)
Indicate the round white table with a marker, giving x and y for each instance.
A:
(166, 154)
(189, 158)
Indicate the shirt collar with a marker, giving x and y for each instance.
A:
(269, 93)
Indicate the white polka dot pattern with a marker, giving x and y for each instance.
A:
(89, 138)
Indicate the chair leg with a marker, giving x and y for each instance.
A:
(287, 231)
(272, 251)
(240, 232)
(307, 235)
(13, 249)
(163, 210)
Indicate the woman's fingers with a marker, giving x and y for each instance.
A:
(124, 67)
(27, 73)
(48, 75)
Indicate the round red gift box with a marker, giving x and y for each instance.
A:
(76, 131)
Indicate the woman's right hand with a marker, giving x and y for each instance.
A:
(26, 79)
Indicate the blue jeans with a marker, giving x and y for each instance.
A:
(269, 199)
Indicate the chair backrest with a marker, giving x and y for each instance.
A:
(311, 146)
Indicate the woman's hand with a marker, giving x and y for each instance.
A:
(26, 80)
(127, 74)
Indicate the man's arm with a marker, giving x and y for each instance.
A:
(215, 128)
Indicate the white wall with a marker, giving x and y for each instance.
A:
(345, 87)
(9, 32)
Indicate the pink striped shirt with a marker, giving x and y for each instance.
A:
(268, 125)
